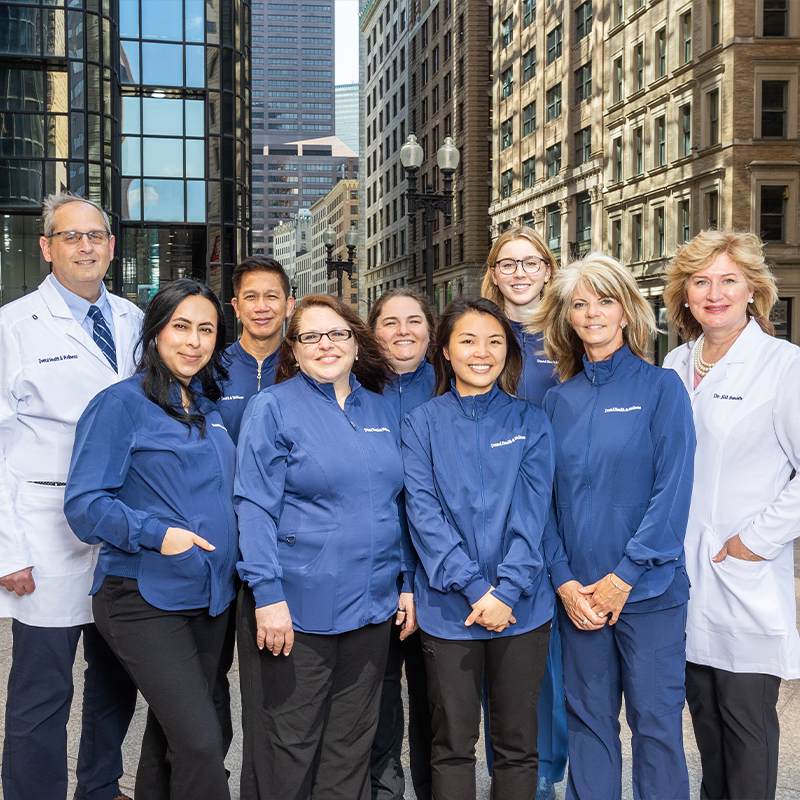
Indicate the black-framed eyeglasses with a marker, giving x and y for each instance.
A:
(312, 337)
(531, 265)
(75, 237)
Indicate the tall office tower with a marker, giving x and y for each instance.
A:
(293, 100)
(427, 74)
(347, 114)
(146, 113)
(691, 122)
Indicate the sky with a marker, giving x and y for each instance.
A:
(346, 41)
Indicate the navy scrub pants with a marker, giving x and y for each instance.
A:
(37, 710)
(644, 657)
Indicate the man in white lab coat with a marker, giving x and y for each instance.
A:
(59, 346)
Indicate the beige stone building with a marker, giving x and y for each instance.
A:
(689, 121)
(426, 70)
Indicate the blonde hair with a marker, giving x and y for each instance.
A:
(489, 288)
(745, 250)
(605, 277)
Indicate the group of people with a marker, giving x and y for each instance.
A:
(509, 501)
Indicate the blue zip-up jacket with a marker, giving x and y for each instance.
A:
(245, 378)
(135, 472)
(479, 479)
(537, 370)
(316, 493)
(625, 446)
(411, 389)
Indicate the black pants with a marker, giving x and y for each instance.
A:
(388, 782)
(514, 666)
(313, 715)
(222, 689)
(172, 657)
(735, 722)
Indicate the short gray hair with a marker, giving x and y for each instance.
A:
(54, 201)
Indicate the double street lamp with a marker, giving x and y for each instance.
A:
(351, 240)
(411, 157)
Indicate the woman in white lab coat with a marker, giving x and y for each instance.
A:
(745, 388)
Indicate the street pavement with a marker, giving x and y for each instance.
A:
(788, 709)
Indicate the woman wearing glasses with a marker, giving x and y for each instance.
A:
(319, 472)
(519, 267)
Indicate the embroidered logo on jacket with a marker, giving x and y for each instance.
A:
(727, 397)
(507, 441)
(233, 397)
(65, 357)
(623, 410)
(376, 430)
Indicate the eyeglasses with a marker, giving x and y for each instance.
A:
(75, 237)
(312, 337)
(508, 266)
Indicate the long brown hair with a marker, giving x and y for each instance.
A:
(745, 250)
(370, 368)
(512, 370)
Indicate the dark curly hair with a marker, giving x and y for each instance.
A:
(158, 380)
(371, 368)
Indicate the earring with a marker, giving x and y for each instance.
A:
(686, 305)
(624, 325)
(356, 357)
(751, 300)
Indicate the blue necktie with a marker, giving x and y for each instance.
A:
(102, 335)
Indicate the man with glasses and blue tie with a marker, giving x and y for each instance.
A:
(59, 346)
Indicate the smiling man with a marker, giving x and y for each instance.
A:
(59, 346)
(262, 301)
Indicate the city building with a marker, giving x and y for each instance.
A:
(347, 114)
(426, 70)
(140, 113)
(293, 100)
(631, 125)
(342, 212)
(292, 239)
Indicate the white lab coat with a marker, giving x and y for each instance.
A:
(50, 368)
(747, 419)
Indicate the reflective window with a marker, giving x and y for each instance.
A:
(162, 115)
(162, 64)
(162, 20)
(129, 18)
(163, 158)
(21, 266)
(195, 66)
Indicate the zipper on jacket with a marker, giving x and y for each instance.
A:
(258, 375)
(371, 516)
(588, 474)
(483, 495)
(222, 503)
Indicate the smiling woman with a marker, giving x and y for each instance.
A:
(158, 497)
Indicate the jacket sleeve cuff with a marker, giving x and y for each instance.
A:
(507, 592)
(407, 582)
(268, 592)
(629, 571)
(560, 574)
(152, 534)
(476, 589)
(752, 540)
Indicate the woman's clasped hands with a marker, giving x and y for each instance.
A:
(492, 613)
(590, 607)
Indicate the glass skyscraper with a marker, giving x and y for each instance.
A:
(142, 106)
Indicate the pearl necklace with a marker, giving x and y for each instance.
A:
(702, 368)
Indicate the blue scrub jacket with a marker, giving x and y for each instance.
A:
(244, 380)
(316, 493)
(135, 472)
(479, 477)
(625, 445)
(538, 372)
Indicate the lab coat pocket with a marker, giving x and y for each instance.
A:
(748, 597)
(55, 549)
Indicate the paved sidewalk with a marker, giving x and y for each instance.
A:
(788, 708)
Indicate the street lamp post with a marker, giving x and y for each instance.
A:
(411, 156)
(351, 240)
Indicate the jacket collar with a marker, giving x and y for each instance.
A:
(739, 352)
(237, 351)
(477, 403)
(599, 372)
(407, 379)
(326, 389)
